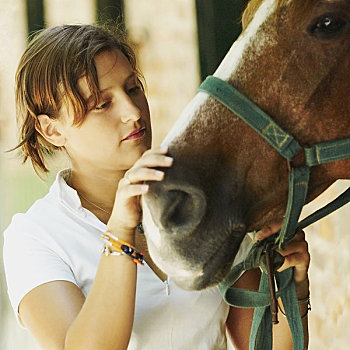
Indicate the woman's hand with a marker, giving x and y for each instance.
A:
(295, 253)
(127, 209)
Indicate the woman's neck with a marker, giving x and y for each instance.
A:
(96, 191)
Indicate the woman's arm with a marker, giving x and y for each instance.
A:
(59, 316)
(239, 320)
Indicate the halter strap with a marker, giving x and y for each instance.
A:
(287, 147)
(328, 151)
(266, 127)
(255, 117)
(284, 143)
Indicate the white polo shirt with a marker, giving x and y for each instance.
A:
(58, 239)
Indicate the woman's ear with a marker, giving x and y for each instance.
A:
(50, 129)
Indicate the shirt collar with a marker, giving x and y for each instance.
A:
(63, 192)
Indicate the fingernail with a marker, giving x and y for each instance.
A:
(256, 239)
(144, 188)
(258, 236)
(164, 149)
(159, 174)
(169, 160)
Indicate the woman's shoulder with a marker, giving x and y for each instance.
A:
(37, 215)
(31, 245)
(44, 212)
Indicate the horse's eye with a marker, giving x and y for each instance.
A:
(327, 26)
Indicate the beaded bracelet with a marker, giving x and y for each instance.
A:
(117, 245)
(107, 251)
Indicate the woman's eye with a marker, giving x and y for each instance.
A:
(327, 26)
(103, 105)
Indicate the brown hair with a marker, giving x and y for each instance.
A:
(48, 74)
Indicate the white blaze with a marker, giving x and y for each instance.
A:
(232, 60)
(226, 69)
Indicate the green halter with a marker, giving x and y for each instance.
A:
(287, 147)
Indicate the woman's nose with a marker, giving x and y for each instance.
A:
(129, 111)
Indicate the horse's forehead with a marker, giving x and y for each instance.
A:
(234, 57)
(226, 69)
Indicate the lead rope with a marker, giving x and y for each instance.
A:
(261, 334)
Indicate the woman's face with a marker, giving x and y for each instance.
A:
(117, 131)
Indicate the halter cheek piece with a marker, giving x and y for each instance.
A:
(263, 253)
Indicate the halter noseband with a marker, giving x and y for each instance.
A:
(259, 255)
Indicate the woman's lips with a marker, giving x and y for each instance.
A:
(136, 134)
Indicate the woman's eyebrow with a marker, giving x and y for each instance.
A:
(90, 99)
(131, 76)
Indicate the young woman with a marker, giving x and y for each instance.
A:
(78, 90)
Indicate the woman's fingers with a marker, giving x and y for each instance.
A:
(136, 175)
(143, 169)
(155, 158)
(297, 244)
(134, 190)
(127, 206)
(296, 255)
(267, 231)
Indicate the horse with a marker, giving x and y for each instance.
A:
(291, 60)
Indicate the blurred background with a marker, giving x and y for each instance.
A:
(178, 43)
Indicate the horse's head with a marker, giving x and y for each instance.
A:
(292, 60)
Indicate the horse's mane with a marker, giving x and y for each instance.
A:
(298, 7)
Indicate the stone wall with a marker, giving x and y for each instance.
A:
(67, 11)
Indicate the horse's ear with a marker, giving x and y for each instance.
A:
(50, 129)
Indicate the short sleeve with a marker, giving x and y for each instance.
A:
(29, 261)
(244, 248)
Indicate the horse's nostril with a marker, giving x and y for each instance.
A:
(178, 213)
(183, 210)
